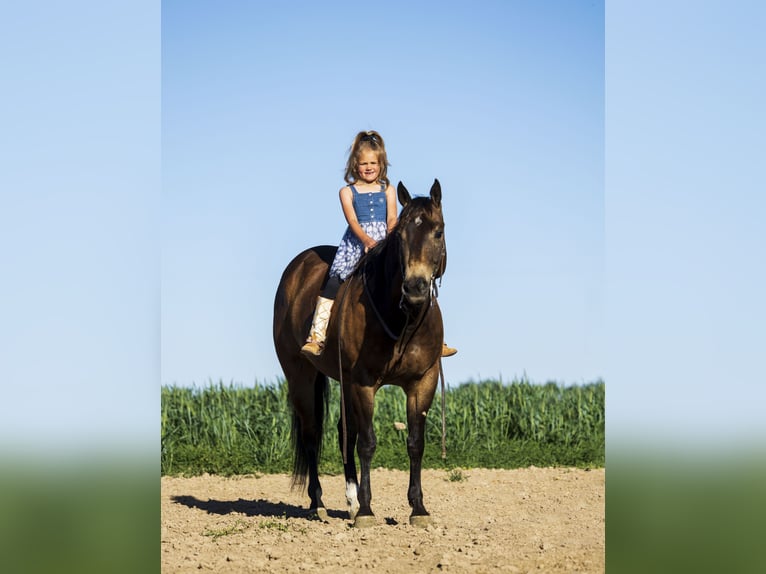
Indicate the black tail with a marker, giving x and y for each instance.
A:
(307, 448)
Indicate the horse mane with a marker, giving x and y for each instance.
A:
(374, 254)
(415, 207)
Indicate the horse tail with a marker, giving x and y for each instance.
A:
(309, 446)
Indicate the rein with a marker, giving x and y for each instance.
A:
(340, 372)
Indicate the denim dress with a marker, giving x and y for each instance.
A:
(370, 209)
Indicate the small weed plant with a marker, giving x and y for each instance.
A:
(236, 528)
(457, 475)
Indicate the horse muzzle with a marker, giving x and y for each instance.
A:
(416, 290)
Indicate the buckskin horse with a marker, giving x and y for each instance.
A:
(386, 329)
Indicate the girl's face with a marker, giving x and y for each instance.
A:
(367, 166)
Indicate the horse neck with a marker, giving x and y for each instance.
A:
(393, 268)
(385, 283)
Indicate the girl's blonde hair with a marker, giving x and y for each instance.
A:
(364, 141)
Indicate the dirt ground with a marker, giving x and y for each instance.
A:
(524, 520)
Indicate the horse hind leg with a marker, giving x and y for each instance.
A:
(309, 409)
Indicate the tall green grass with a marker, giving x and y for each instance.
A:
(229, 429)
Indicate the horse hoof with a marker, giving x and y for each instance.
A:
(319, 514)
(420, 521)
(364, 521)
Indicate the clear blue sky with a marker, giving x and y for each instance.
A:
(152, 194)
(503, 102)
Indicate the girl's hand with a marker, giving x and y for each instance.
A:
(369, 245)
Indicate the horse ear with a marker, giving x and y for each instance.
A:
(436, 193)
(403, 194)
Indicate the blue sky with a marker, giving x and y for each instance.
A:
(503, 102)
(684, 223)
(153, 187)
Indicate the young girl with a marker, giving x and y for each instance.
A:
(369, 205)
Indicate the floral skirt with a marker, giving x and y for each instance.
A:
(350, 250)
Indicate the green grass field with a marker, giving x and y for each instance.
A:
(230, 429)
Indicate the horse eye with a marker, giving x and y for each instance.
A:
(438, 234)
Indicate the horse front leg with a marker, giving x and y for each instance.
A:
(349, 467)
(418, 402)
(364, 406)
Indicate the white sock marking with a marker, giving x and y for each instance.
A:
(351, 498)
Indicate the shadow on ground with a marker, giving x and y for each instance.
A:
(252, 507)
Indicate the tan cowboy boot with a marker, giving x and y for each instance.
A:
(315, 342)
(448, 351)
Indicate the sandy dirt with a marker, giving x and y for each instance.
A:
(524, 520)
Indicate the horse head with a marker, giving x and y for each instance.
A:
(421, 235)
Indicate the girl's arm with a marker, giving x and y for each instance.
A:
(391, 216)
(347, 203)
